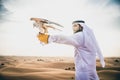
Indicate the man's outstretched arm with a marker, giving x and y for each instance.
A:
(58, 39)
(69, 40)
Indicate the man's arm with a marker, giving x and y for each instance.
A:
(58, 39)
(99, 53)
(69, 40)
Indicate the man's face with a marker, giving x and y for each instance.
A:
(75, 27)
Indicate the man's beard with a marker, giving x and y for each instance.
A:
(78, 31)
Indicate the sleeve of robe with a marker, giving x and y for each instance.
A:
(99, 53)
(69, 40)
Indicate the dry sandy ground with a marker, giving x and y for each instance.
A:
(51, 68)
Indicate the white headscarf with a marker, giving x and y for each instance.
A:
(91, 43)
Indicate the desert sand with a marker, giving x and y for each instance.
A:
(51, 68)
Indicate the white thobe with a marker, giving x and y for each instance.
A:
(85, 60)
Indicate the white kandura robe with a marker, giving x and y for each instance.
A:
(85, 58)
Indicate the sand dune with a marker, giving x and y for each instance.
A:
(109, 75)
(51, 68)
(36, 74)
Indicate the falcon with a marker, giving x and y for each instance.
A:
(44, 24)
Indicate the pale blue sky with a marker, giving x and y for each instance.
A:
(17, 36)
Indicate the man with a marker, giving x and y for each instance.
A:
(86, 49)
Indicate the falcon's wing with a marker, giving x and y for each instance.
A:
(50, 22)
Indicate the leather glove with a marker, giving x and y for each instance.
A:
(43, 37)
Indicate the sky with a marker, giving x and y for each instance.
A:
(18, 37)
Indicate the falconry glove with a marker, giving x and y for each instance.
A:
(43, 38)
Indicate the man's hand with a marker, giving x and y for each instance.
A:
(103, 63)
(43, 37)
